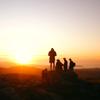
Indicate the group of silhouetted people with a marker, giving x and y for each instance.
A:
(64, 67)
(59, 65)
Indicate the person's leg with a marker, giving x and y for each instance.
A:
(53, 65)
(65, 68)
(50, 66)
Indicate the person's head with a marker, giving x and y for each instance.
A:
(70, 59)
(58, 60)
(64, 59)
(45, 69)
(52, 49)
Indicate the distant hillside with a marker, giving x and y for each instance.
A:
(89, 74)
(20, 69)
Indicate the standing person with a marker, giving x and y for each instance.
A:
(71, 64)
(65, 64)
(52, 53)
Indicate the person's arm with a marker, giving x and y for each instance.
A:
(55, 54)
(61, 64)
(49, 54)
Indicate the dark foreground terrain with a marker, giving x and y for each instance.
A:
(58, 86)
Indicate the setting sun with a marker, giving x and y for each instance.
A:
(21, 52)
(23, 58)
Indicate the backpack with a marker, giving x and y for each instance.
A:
(74, 64)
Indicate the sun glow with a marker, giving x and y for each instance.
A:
(24, 46)
(23, 58)
(22, 50)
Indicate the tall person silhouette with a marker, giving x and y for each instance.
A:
(71, 65)
(65, 64)
(52, 53)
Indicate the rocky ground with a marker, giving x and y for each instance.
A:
(57, 86)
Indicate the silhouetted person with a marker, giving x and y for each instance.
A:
(59, 65)
(52, 53)
(71, 64)
(44, 74)
(65, 64)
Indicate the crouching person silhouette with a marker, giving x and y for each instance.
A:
(44, 75)
(59, 66)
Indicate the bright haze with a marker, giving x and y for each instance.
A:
(30, 28)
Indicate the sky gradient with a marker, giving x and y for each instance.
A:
(29, 28)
